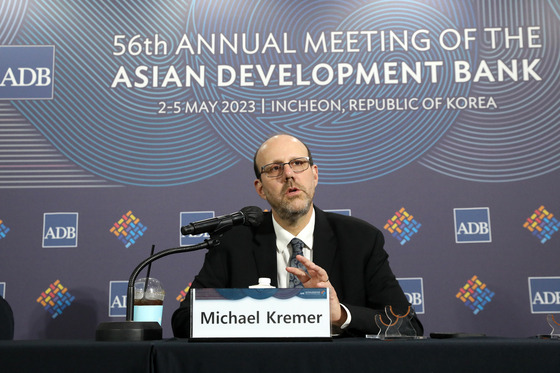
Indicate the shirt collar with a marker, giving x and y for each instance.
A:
(283, 237)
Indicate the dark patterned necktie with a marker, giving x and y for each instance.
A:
(297, 249)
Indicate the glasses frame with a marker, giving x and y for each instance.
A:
(283, 164)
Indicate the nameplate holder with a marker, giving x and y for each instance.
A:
(260, 313)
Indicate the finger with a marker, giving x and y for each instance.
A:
(308, 263)
(296, 271)
(313, 269)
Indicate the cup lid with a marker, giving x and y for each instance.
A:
(151, 289)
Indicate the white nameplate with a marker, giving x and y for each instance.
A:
(260, 313)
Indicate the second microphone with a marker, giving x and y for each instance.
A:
(250, 215)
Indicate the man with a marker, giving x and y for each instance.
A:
(341, 253)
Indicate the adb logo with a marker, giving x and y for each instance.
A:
(472, 225)
(26, 72)
(544, 293)
(414, 290)
(346, 212)
(117, 298)
(190, 217)
(60, 229)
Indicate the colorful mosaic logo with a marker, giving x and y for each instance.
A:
(183, 293)
(55, 299)
(475, 295)
(128, 229)
(3, 229)
(542, 224)
(402, 226)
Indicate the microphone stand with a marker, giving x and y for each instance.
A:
(130, 330)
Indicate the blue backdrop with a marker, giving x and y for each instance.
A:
(435, 120)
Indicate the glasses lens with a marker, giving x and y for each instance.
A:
(277, 169)
(299, 164)
(273, 170)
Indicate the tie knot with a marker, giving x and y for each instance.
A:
(297, 246)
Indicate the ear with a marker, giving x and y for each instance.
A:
(316, 174)
(259, 188)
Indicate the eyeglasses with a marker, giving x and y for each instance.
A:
(277, 169)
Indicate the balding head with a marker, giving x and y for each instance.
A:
(281, 140)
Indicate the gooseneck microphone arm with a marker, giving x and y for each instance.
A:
(207, 244)
(131, 330)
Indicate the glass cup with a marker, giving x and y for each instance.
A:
(148, 300)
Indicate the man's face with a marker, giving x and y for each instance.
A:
(290, 195)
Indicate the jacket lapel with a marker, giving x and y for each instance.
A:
(264, 250)
(324, 242)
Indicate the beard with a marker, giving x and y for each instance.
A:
(290, 212)
(291, 209)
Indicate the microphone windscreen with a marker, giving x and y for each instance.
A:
(253, 216)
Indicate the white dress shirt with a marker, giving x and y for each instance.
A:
(284, 249)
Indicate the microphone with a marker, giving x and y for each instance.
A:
(251, 216)
(130, 330)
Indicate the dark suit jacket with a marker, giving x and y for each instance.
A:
(6, 320)
(349, 249)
